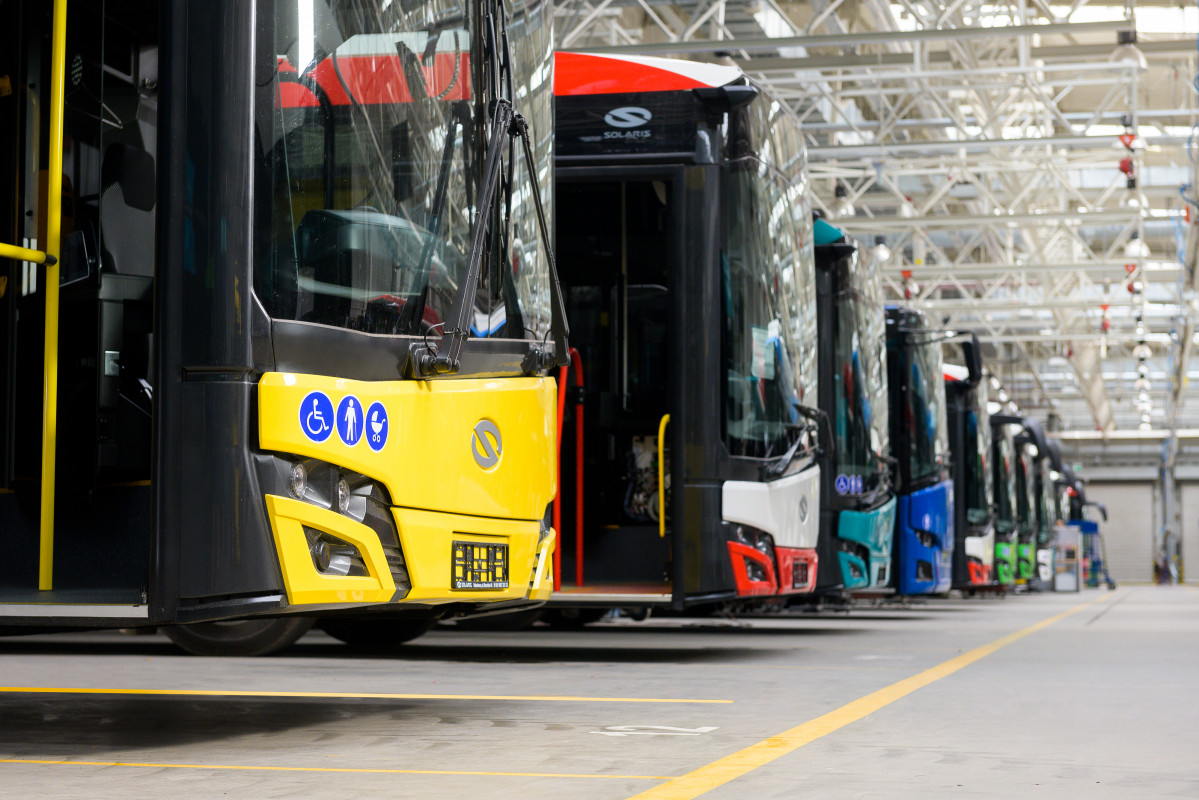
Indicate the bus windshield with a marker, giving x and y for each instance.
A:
(926, 408)
(768, 285)
(860, 377)
(375, 122)
(1025, 492)
(1005, 484)
(1048, 517)
(978, 472)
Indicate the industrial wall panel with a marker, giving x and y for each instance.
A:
(1188, 495)
(1128, 531)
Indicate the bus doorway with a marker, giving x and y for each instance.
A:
(617, 240)
(87, 549)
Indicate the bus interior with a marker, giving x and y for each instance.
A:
(615, 243)
(103, 514)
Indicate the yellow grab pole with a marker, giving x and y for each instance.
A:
(23, 254)
(662, 475)
(58, 57)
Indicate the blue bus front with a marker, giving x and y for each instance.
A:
(924, 528)
(924, 538)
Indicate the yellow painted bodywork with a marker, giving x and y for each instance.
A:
(427, 537)
(306, 585)
(439, 492)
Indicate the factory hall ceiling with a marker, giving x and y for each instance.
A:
(1021, 170)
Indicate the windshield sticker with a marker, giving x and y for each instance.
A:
(316, 416)
(762, 365)
(376, 426)
(848, 484)
(349, 420)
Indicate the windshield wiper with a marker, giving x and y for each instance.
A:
(445, 357)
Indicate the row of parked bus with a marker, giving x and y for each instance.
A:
(284, 339)
(761, 429)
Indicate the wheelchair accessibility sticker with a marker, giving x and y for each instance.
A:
(316, 416)
(376, 426)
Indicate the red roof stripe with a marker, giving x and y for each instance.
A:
(583, 74)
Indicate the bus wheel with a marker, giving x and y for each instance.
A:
(242, 637)
(572, 617)
(375, 633)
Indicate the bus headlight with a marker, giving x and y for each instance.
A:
(299, 481)
(333, 556)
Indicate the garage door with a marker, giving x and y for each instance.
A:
(1188, 494)
(1128, 531)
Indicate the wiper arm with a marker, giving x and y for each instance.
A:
(446, 357)
(824, 425)
(559, 327)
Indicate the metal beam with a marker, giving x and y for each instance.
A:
(1107, 141)
(1152, 50)
(765, 43)
(857, 225)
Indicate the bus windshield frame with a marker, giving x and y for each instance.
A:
(373, 180)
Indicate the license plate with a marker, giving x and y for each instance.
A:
(480, 566)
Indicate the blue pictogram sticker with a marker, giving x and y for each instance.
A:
(349, 420)
(848, 484)
(376, 426)
(316, 416)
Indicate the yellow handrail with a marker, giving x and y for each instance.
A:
(58, 58)
(25, 254)
(662, 475)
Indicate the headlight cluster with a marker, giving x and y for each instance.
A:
(759, 540)
(345, 492)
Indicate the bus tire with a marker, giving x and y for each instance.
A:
(242, 637)
(375, 633)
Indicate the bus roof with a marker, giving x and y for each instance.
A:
(586, 74)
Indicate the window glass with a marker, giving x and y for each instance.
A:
(768, 283)
(860, 375)
(1025, 493)
(978, 467)
(1003, 462)
(373, 145)
(926, 407)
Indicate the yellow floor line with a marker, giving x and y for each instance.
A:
(726, 769)
(50, 762)
(348, 695)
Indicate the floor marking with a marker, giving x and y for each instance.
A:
(726, 769)
(347, 695)
(1109, 607)
(51, 762)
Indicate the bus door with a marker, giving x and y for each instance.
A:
(617, 244)
(98, 545)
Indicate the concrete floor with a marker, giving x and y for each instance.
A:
(1103, 703)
